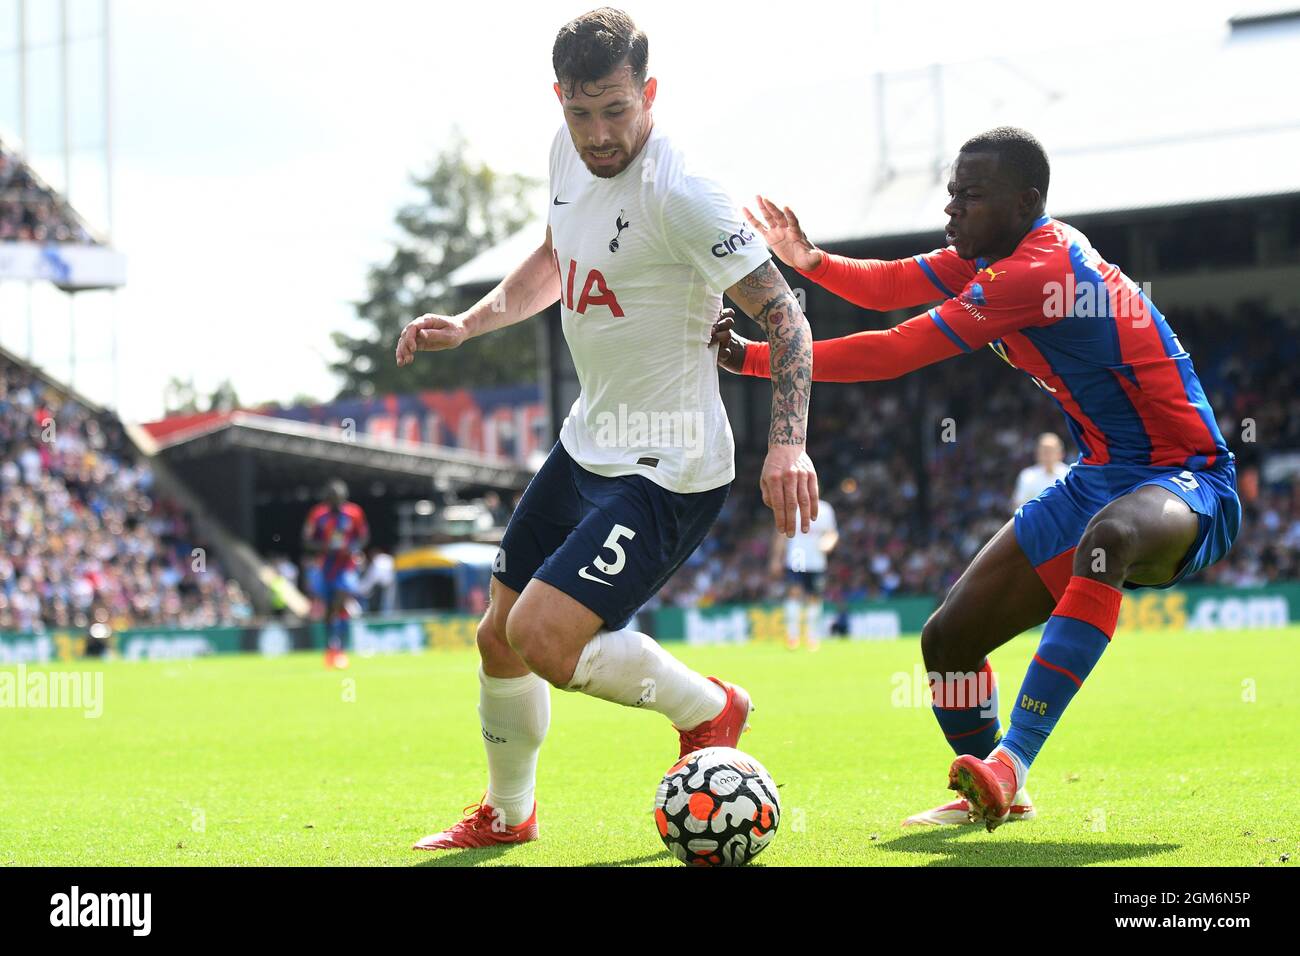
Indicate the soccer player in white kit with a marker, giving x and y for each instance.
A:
(1047, 469)
(638, 252)
(803, 559)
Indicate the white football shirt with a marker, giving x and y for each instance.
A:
(644, 258)
(1036, 479)
(803, 551)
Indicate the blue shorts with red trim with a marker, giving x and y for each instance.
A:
(1049, 527)
(327, 586)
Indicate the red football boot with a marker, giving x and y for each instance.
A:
(958, 813)
(989, 786)
(723, 730)
(482, 826)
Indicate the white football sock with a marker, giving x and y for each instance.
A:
(631, 669)
(515, 712)
(814, 622)
(793, 620)
(1018, 766)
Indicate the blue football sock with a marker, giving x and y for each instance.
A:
(1076, 634)
(966, 707)
(338, 632)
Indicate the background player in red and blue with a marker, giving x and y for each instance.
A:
(335, 532)
(1151, 499)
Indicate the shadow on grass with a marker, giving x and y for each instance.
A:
(954, 847)
(969, 847)
(461, 857)
(634, 860)
(487, 855)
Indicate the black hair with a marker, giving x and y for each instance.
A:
(590, 46)
(1018, 152)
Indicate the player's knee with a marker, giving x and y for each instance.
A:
(524, 637)
(535, 641)
(1107, 549)
(936, 643)
(491, 642)
(946, 643)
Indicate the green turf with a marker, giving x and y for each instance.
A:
(245, 760)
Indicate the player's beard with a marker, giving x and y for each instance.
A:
(608, 171)
(614, 168)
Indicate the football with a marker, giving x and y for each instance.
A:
(717, 807)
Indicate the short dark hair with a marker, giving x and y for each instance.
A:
(590, 46)
(1018, 152)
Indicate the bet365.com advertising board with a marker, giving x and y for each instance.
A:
(1188, 608)
(1180, 609)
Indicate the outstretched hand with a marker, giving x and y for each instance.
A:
(781, 231)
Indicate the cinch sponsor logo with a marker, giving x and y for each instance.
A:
(102, 909)
(726, 245)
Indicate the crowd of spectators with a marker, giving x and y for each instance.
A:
(32, 212)
(83, 538)
(921, 470)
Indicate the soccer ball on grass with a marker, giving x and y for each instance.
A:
(717, 807)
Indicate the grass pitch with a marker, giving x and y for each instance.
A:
(1180, 749)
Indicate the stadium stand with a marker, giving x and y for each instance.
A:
(83, 535)
(30, 211)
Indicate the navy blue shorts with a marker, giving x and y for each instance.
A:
(608, 543)
(1049, 527)
(812, 582)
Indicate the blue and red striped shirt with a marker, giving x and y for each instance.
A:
(340, 531)
(1086, 333)
(1089, 337)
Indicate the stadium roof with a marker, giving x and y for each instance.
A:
(1201, 116)
(302, 447)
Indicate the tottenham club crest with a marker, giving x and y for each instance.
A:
(621, 224)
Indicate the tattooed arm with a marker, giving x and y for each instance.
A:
(789, 480)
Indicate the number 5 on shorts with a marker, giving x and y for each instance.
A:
(618, 533)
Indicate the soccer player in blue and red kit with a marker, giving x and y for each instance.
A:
(1151, 499)
(336, 529)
